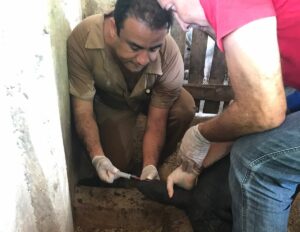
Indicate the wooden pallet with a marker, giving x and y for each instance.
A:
(214, 89)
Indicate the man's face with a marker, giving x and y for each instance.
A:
(138, 45)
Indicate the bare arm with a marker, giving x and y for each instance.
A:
(154, 137)
(86, 126)
(216, 152)
(253, 61)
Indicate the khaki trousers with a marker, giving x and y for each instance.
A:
(122, 133)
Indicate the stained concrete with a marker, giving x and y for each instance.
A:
(90, 7)
(126, 210)
(294, 220)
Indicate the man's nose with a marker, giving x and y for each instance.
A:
(143, 58)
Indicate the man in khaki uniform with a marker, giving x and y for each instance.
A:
(121, 65)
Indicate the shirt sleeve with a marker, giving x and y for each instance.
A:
(81, 82)
(169, 84)
(226, 16)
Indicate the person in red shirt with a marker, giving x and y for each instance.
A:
(261, 42)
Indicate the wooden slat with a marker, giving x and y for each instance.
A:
(210, 92)
(215, 91)
(197, 59)
(218, 67)
(211, 107)
(217, 76)
(226, 104)
(179, 36)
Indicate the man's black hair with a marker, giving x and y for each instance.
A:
(147, 11)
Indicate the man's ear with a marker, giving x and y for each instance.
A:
(113, 28)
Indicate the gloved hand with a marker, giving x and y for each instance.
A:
(105, 169)
(181, 178)
(193, 149)
(149, 173)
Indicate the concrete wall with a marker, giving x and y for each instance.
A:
(90, 7)
(35, 116)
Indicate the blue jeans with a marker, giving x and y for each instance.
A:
(264, 177)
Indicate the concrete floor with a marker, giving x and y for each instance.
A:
(126, 210)
(123, 208)
(294, 221)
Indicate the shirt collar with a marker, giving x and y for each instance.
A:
(155, 67)
(95, 37)
(95, 40)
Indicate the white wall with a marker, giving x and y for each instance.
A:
(34, 107)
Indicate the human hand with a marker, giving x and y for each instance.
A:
(105, 169)
(149, 172)
(181, 178)
(193, 149)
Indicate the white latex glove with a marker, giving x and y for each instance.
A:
(181, 178)
(105, 169)
(193, 149)
(149, 173)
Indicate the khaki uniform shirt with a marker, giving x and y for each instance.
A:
(94, 73)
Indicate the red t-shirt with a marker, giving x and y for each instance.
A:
(226, 16)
